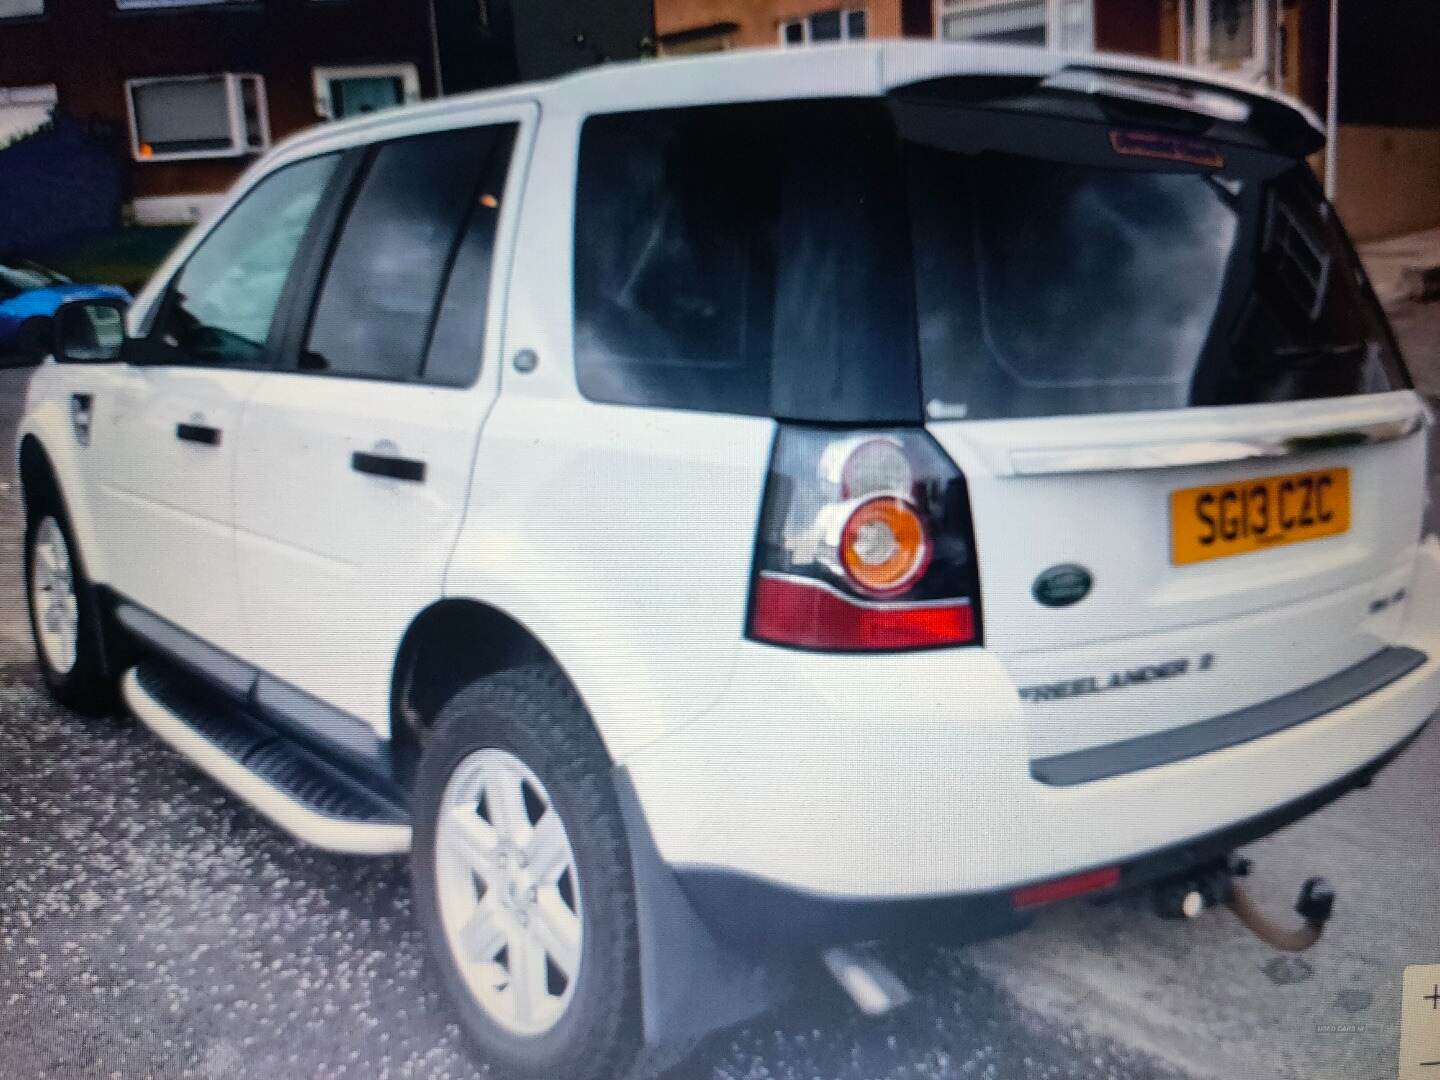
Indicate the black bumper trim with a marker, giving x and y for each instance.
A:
(760, 916)
(1230, 729)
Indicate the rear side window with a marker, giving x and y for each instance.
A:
(425, 204)
(745, 259)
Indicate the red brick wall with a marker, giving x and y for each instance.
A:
(759, 20)
(1128, 26)
(88, 48)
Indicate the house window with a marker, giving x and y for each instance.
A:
(352, 91)
(1058, 24)
(23, 111)
(1234, 36)
(21, 9)
(201, 116)
(847, 24)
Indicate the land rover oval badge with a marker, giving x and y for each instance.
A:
(1062, 585)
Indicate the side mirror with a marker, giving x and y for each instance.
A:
(89, 331)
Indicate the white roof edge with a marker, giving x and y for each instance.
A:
(857, 68)
(893, 61)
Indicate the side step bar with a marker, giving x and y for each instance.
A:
(297, 790)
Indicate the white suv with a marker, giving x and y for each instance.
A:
(713, 509)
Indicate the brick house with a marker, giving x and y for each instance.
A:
(187, 92)
(1387, 150)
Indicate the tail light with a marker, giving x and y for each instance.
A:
(865, 545)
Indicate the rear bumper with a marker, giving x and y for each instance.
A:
(853, 783)
(761, 916)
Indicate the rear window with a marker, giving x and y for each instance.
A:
(1052, 288)
(846, 260)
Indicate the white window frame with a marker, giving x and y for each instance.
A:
(407, 73)
(804, 23)
(1258, 66)
(1058, 24)
(30, 100)
(239, 146)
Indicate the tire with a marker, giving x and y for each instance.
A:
(33, 339)
(54, 571)
(520, 742)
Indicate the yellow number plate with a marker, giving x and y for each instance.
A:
(1219, 520)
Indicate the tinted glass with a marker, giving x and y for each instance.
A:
(221, 304)
(382, 286)
(458, 343)
(855, 24)
(745, 258)
(1048, 287)
(825, 26)
(794, 33)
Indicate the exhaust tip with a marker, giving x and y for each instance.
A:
(872, 986)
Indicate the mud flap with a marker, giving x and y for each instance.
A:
(691, 984)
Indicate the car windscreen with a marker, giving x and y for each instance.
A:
(846, 260)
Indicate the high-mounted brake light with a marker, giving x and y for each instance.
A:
(865, 544)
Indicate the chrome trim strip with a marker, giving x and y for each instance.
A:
(1173, 455)
(855, 601)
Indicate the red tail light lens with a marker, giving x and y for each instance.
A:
(865, 544)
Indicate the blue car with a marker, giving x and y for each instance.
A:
(29, 295)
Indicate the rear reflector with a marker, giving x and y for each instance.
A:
(1048, 892)
(809, 615)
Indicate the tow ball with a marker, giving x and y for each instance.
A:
(1189, 895)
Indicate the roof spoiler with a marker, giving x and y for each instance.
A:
(1283, 126)
(1196, 106)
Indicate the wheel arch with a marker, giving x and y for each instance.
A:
(37, 472)
(446, 647)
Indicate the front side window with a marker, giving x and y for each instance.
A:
(220, 307)
(383, 287)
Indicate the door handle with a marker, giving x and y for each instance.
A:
(396, 468)
(198, 433)
(82, 413)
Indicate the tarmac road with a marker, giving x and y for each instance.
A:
(152, 926)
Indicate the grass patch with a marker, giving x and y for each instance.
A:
(124, 257)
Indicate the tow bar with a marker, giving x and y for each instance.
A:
(1189, 895)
